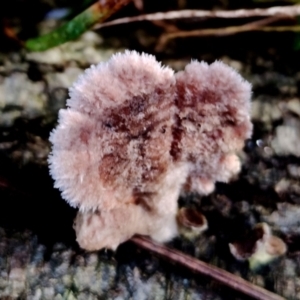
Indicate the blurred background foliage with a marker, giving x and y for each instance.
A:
(24, 20)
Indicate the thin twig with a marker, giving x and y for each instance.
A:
(256, 25)
(287, 11)
(201, 267)
(295, 28)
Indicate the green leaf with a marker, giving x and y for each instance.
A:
(98, 12)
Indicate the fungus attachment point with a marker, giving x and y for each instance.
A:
(260, 247)
(135, 136)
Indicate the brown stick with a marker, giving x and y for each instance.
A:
(203, 268)
(287, 11)
(256, 25)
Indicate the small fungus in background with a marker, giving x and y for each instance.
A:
(135, 136)
(259, 247)
(191, 223)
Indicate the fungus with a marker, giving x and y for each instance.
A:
(191, 222)
(135, 136)
(259, 247)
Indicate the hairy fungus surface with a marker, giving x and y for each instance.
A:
(135, 135)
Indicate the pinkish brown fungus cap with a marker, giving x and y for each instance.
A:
(114, 139)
